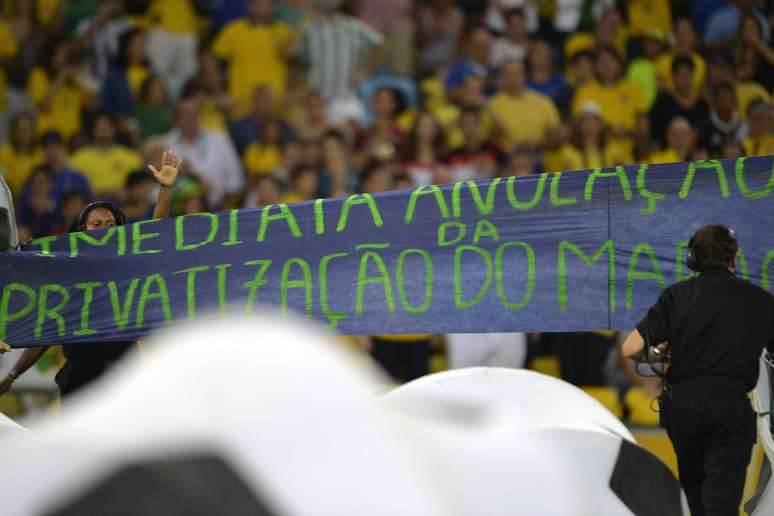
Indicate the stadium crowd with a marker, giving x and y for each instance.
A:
(290, 100)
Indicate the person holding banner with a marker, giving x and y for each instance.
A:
(87, 362)
(711, 329)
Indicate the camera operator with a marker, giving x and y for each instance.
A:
(711, 329)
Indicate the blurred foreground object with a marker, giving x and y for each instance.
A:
(527, 443)
(258, 418)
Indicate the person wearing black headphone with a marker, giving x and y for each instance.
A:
(711, 329)
(86, 362)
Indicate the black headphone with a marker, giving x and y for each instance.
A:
(79, 224)
(693, 262)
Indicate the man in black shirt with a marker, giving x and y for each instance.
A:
(715, 327)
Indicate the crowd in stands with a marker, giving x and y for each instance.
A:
(289, 100)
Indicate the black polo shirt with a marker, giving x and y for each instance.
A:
(717, 326)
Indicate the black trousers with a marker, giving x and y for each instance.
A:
(404, 361)
(712, 428)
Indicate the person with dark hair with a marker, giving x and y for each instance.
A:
(722, 125)
(70, 205)
(37, 209)
(439, 25)
(760, 119)
(56, 92)
(711, 329)
(136, 203)
(681, 140)
(423, 155)
(128, 70)
(477, 63)
(255, 50)
(210, 155)
(20, 155)
(252, 128)
(87, 362)
(514, 43)
(105, 161)
(522, 116)
(679, 101)
(382, 138)
(66, 179)
(620, 101)
(376, 178)
(341, 51)
(544, 78)
(304, 182)
(154, 116)
(684, 47)
(478, 157)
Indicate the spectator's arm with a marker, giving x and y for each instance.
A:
(26, 360)
(633, 345)
(378, 53)
(85, 32)
(43, 92)
(627, 367)
(166, 176)
(754, 39)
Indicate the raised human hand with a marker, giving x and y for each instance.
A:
(170, 165)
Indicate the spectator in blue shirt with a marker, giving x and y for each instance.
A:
(543, 77)
(64, 178)
(249, 129)
(477, 64)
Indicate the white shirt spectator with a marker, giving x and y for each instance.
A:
(334, 47)
(486, 349)
(503, 50)
(213, 157)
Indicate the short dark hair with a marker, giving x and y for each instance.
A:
(514, 11)
(611, 51)
(727, 86)
(300, 170)
(714, 246)
(682, 61)
(137, 177)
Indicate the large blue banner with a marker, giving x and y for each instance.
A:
(584, 250)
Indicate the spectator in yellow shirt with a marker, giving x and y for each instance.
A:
(588, 146)
(760, 121)
(645, 15)
(255, 49)
(172, 42)
(681, 139)
(57, 96)
(262, 156)
(522, 116)
(685, 41)
(20, 155)
(104, 162)
(619, 100)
